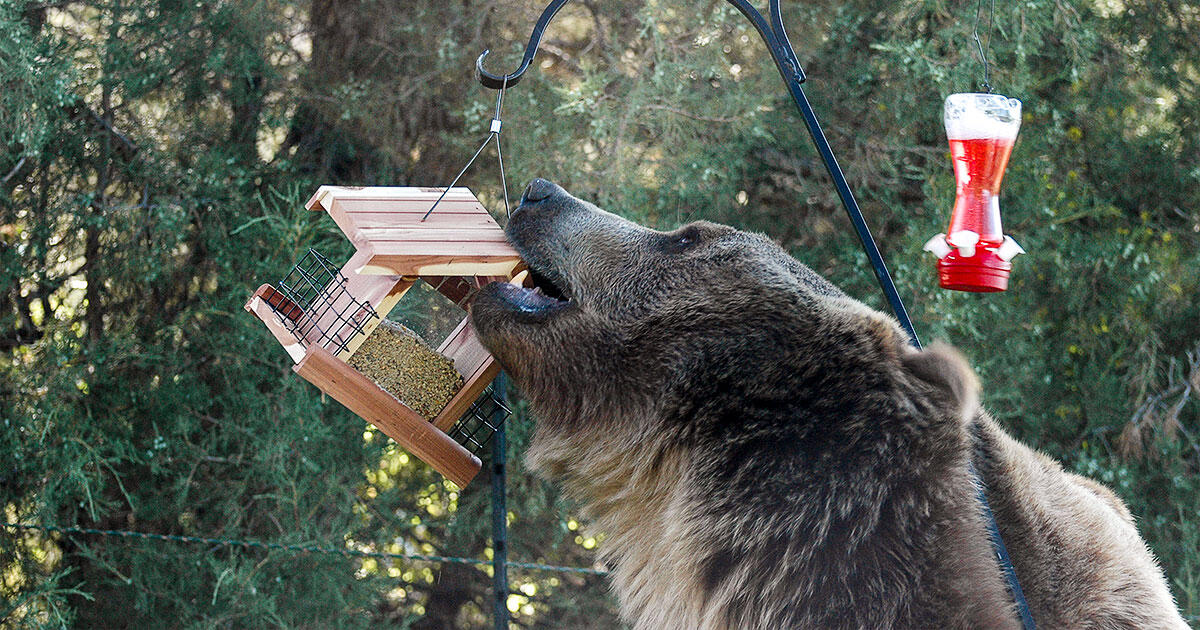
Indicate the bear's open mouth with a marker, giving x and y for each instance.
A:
(547, 287)
(540, 296)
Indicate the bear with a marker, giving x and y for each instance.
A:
(764, 452)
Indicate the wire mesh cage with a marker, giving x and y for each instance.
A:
(317, 306)
(475, 429)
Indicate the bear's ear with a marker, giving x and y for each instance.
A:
(946, 370)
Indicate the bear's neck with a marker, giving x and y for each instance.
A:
(637, 495)
(687, 554)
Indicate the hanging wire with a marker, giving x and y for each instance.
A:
(455, 181)
(503, 182)
(983, 53)
(499, 153)
(493, 132)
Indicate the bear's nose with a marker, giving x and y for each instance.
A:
(538, 190)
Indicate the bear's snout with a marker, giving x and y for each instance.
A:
(541, 197)
(539, 190)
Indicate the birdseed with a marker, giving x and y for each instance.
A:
(403, 365)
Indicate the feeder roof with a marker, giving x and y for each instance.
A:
(385, 224)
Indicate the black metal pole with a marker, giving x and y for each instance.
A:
(776, 39)
(499, 514)
(852, 209)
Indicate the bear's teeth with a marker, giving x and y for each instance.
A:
(519, 279)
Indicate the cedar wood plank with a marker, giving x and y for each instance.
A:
(470, 392)
(326, 194)
(362, 396)
(258, 307)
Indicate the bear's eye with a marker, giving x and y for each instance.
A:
(683, 239)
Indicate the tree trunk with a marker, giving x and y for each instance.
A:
(338, 28)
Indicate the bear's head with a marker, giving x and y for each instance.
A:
(691, 334)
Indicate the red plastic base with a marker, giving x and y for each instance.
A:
(984, 272)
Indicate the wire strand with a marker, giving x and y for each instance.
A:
(493, 133)
(456, 177)
(500, 154)
(983, 54)
(273, 546)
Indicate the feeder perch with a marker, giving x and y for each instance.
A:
(321, 313)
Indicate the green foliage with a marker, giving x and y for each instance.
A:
(37, 85)
(154, 160)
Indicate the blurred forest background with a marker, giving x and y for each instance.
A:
(155, 156)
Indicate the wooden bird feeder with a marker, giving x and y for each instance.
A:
(321, 314)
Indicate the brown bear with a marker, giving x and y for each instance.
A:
(764, 452)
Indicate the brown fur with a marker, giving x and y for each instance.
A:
(763, 451)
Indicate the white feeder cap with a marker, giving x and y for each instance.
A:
(965, 241)
(938, 246)
(1009, 249)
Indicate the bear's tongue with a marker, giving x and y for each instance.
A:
(536, 300)
(540, 296)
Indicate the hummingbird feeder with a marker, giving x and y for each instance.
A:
(974, 254)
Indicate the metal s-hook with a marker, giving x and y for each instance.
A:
(983, 55)
(496, 82)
